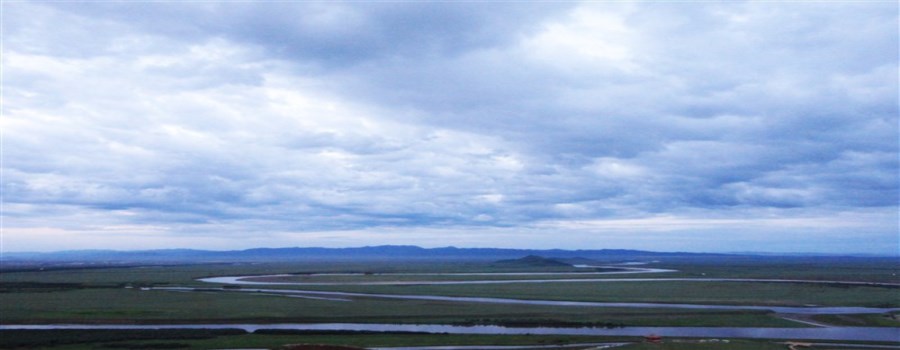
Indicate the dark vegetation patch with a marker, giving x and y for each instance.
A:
(318, 347)
(267, 331)
(19, 287)
(49, 266)
(28, 338)
(532, 261)
(43, 287)
(145, 346)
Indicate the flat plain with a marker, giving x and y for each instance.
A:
(138, 295)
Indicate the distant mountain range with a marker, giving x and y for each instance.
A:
(386, 252)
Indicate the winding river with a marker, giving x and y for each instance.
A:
(343, 296)
(254, 280)
(810, 333)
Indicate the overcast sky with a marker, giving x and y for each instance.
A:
(686, 126)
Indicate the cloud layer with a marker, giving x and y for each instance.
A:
(724, 127)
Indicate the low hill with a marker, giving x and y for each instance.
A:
(532, 261)
(579, 261)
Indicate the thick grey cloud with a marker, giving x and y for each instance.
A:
(313, 123)
(336, 34)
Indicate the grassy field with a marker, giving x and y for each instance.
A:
(114, 295)
(885, 320)
(818, 268)
(100, 295)
(875, 270)
(668, 292)
(199, 339)
(131, 305)
(730, 293)
(378, 278)
(236, 339)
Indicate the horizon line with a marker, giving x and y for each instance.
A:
(747, 253)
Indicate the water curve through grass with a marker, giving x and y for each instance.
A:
(343, 296)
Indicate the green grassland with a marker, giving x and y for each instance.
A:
(100, 295)
(870, 320)
(878, 270)
(161, 275)
(313, 278)
(115, 295)
(237, 339)
(135, 306)
(884, 270)
(200, 339)
(213, 339)
(729, 293)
